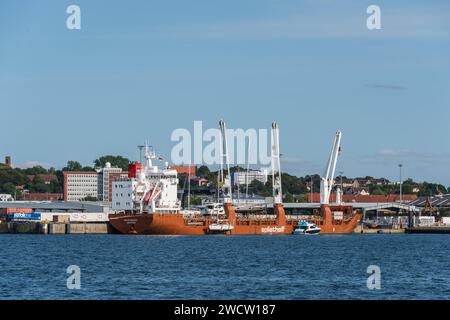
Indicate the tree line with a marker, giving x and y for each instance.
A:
(41, 180)
(294, 188)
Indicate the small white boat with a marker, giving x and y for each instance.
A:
(213, 209)
(305, 228)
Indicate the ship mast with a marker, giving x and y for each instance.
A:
(189, 188)
(276, 165)
(225, 180)
(327, 181)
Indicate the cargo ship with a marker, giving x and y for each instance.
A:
(146, 203)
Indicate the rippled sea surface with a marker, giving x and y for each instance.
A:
(221, 267)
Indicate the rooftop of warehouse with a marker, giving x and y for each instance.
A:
(55, 206)
(435, 201)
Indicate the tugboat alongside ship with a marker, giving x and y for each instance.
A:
(147, 202)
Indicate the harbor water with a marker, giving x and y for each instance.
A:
(220, 267)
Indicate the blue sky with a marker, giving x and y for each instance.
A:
(140, 69)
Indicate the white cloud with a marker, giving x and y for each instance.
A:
(416, 157)
(33, 163)
(393, 152)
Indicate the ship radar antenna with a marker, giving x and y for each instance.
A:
(141, 151)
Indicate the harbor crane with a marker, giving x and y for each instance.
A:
(276, 165)
(225, 179)
(276, 177)
(327, 181)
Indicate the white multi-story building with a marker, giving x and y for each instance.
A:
(247, 177)
(78, 185)
(104, 181)
(122, 196)
(6, 197)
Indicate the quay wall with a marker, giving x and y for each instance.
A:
(87, 228)
(5, 227)
(54, 228)
(57, 228)
(437, 229)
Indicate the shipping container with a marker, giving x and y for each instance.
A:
(16, 210)
(21, 216)
(58, 217)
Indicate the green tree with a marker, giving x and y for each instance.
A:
(35, 170)
(377, 191)
(38, 186)
(259, 188)
(73, 166)
(196, 201)
(288, 197)
(116, 161)
(9, 188)
(10, 178)
(204, 172)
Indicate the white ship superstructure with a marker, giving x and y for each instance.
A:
(147, 189)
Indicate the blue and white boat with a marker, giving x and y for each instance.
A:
(305, 228)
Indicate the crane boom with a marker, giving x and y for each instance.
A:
(327, 181)
(225, 178)
(276, 165)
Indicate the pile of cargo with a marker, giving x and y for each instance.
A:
(6, 211)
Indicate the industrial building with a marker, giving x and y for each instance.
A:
(189, 170)
(435, 202)
(247, 177)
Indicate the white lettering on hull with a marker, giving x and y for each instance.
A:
(273, 230)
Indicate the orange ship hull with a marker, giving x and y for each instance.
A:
(330, 226)
(177, 224)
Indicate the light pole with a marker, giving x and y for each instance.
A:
(341, 189)
(400, 166)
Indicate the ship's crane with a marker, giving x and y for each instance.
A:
(327, 181)
(225, 179)
(276, 165)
